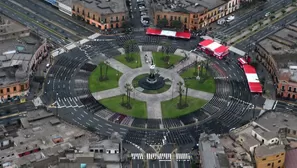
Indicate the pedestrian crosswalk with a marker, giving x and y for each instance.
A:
(160, 156)
(183, 156)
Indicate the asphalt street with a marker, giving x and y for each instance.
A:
(53, 17)
(135, 15)
(42, 27)
(251, 17)
(248, 43)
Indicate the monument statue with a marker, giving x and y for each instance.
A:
(153, 81)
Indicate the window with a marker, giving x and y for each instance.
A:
(294, 89)
(290, 88)
(94, 17)
(111, 18)
(117, 18)
(282, 154)
(14, 89)
(179, 18)
(1, 91)
(277, 155)
(171, 17)
(175, 18)
(8, 90)
(165, 16)
(294, 132)
(186, 20)
(279, 161)
(268, 164)
(123, 18)
(283, 87)
(88, 14)
(158, 17)
(264, 159)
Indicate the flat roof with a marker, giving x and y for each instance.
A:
(104, 6)
(280, 120)
(263, 151)
(10, 26)
(188, 6)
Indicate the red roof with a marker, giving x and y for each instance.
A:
(152, 31)
(249, 69)
(184, 35)
(221, 49)
(206, 42)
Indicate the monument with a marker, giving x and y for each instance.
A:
(153, 81)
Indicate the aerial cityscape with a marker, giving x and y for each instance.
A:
(148, 83)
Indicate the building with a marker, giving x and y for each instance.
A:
(10, 29)
(102, 14)
(268, 137)
(64, 6)
(278, 54)
(193, 14)
(103, 153)
(212, 152)
(20, 53)
(270, 156)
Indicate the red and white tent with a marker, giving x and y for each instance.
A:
(252, 78)
(168, 33)
(214, 48)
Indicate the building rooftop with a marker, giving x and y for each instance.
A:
(42, 134)
(188, 6)
(15, 59)
(263, 151)
(282, 45)
(8, 25)
(280, 120)
(248, 141)
(104, 6)
(265, 134)
(212, 152)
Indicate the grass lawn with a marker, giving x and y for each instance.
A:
(159, 62)
(170, 110)
(206, 83)
(96, 85)
(133, 64)
(135, 85)
(114, 104)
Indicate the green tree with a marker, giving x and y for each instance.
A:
(101, 72)
(186, 97)
(126, 24)
(180, 92)
(165, 51)
(162, 23)
(106, 69)
(176, 24)
(129, 48)
(128, 92)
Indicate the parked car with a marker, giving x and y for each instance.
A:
(230, 18)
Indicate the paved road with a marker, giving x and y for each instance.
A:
(251, 17)
(53, 17)
(135, 15)
(41, 26)
(270, 29)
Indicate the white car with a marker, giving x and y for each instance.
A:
(143, 13)
(267, 14)
(230, 18)
(141, 7)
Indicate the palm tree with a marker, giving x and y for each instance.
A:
(165, 51)
(180, 91)
(129, 47)
(101, 73)
(196, 68)
(106, 69)
(128, 92)
(186, 98)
